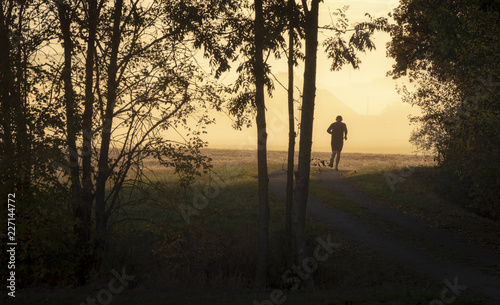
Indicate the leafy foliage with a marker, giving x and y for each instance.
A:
(157, 96)
(342, 51)
(451, 48)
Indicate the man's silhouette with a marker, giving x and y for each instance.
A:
(338, 130)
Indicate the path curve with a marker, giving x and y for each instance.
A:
(487, 284)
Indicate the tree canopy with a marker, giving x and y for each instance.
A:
(451, 49)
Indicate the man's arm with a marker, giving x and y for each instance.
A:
(345, 137)
(330, 129)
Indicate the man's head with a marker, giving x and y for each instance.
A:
(339, 118)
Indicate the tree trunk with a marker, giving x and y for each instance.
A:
(263, 227)
(291, 129)
(15, 146)
(103, 166)
(6, 98)
(306, 128)
(85, 211)
(71, 119)
(22, 164)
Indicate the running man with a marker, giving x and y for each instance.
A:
(338, 130)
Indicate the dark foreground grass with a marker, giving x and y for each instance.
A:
(190, 297)
(133, 297)
(199, 247)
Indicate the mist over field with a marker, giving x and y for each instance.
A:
(372, 131)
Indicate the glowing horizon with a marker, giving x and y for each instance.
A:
(376, 117)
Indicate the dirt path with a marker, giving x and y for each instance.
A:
(480, 275)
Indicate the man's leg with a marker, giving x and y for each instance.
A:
(333, 156)
(337, 160)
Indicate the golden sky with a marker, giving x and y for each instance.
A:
(376, 118)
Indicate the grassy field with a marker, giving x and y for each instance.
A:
(199, 246)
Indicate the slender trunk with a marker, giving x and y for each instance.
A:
(71, 119)
(88, 114)
(6, 87)
(87, 186)
(21, 164)
(15, 145)
(291, 129)
(306, 128)
(103, 164)
(263, 229)
(20, 108)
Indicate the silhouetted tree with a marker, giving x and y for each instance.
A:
(254, 37)
(341, 52)
(450, 48)
(84, 211)
(15, 85)
(81, 211)
(293, 55)
(263, 178)
(301, 191)
(97, 107)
